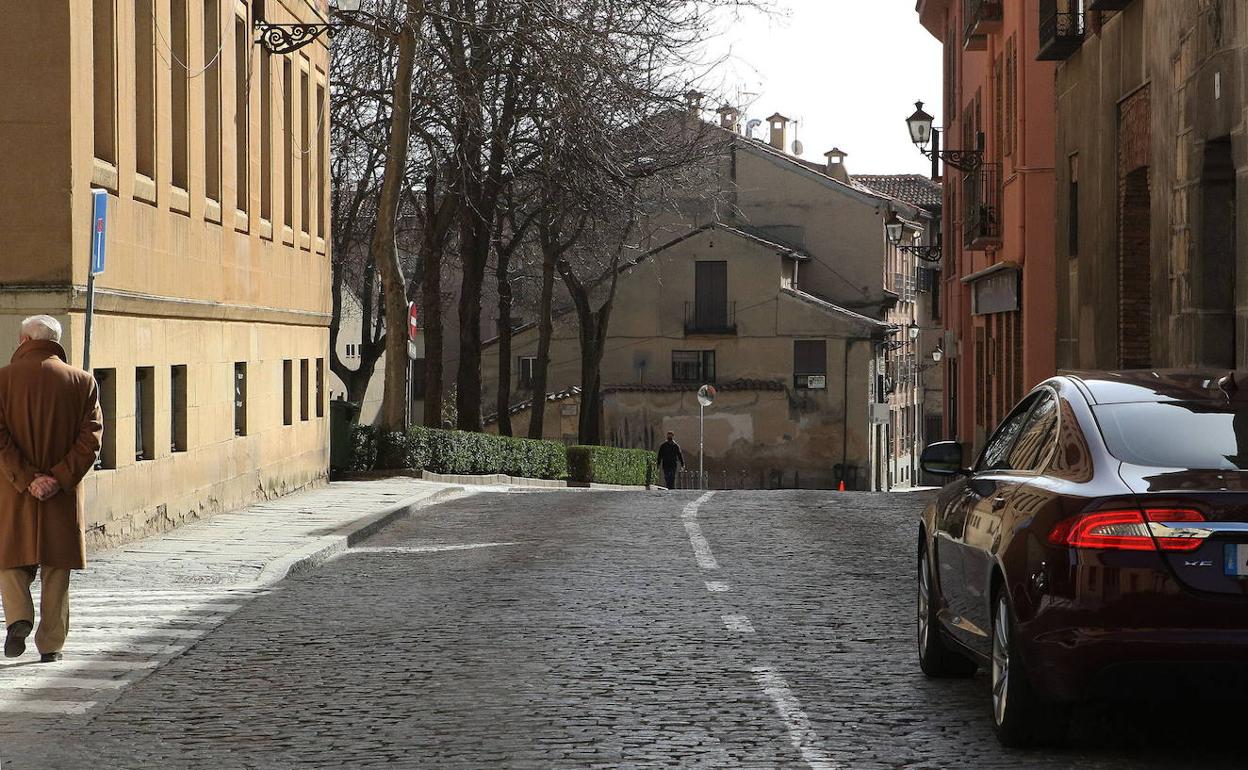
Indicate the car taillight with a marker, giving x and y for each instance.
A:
(1126, 530)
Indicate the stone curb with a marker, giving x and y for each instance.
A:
(325, 548)
(496, 479)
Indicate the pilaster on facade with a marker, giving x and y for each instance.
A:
(211, 316)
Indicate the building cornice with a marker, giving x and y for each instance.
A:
(72, 298)
(1000, 267)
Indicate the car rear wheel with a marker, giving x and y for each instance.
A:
(935, 657)
(1021, 717)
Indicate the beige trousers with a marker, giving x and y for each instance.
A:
(53, 603)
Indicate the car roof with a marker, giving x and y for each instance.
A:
(1160, 385)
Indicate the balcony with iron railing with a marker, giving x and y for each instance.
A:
(1108, 5)
(981, 194)
(710, 318)
(982, 18)
(1061, 29)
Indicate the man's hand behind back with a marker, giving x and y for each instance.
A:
(44, 487)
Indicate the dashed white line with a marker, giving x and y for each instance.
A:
(701, 548)
(738, 623)
(801, 734)
(718, 586)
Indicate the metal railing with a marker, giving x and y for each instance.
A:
(982, 16)
(981, 194)
(1062, 26)
(702, 319)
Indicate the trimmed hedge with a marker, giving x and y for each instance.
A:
(364, 449)
(462, 453)
(608, 465)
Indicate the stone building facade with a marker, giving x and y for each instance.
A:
(998, 258)
(910, 379)
(792, 268)
(210, 331)
(1151, 146)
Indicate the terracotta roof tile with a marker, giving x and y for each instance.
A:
(915, 189)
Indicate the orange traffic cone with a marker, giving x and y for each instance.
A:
(841, 486)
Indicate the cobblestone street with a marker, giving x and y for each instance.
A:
(588, 629)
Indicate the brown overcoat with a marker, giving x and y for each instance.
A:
(50, 423)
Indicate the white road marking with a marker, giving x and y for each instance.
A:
(136, 632)
(100, 665)
(188, 613)
(738, 623)
(701, 548)
(428, 548)
(45, 706)
(717, 586)
(801, 734)
(66, 682)
(116, 637)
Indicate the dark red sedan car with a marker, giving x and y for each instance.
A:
(1099, 541)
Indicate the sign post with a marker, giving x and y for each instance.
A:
(99, 238)
(706, 397)
(414, 351)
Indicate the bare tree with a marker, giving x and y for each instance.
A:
(469, 111)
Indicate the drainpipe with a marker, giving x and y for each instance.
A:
(845, 409)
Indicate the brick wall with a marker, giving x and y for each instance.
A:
(1134, 232)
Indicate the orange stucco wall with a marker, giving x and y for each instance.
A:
(1027, 212)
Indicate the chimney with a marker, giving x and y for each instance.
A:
(729, 118)
(693, 100)
(779, 131)
(836, 164)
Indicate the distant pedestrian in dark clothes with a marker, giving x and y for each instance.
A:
(669, 458)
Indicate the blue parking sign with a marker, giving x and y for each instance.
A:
(99, 229)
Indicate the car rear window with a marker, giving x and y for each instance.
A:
(1177, 435)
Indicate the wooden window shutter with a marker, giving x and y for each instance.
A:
(711, 294)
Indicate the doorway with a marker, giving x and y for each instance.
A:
(1214, 277)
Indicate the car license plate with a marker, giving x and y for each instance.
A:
(1237, 560)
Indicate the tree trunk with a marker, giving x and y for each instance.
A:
(590, 422)
(546, 328)
(475, 246)
(593, 334)
(504, 342)
(384, 250)
(593, 346)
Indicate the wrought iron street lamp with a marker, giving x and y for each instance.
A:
(283, 38)
(894, 228)
(927, 139)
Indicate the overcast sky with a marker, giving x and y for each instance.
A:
(848, 70)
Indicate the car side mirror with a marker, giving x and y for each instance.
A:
(943, 458)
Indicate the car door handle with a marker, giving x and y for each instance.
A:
(999, 502)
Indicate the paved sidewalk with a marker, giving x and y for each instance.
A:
(143, 604)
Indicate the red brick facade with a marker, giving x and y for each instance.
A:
(1134, 232)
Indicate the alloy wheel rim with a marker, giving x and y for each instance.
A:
(924, 603)
(1000, 662)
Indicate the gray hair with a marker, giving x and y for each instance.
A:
(42, 327)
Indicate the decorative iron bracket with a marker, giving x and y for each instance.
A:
(925, 253)
(281, 39)
(963, 160)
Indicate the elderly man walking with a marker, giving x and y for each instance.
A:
(50, 430)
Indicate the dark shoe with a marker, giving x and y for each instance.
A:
(50, 657)
(15, 641)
